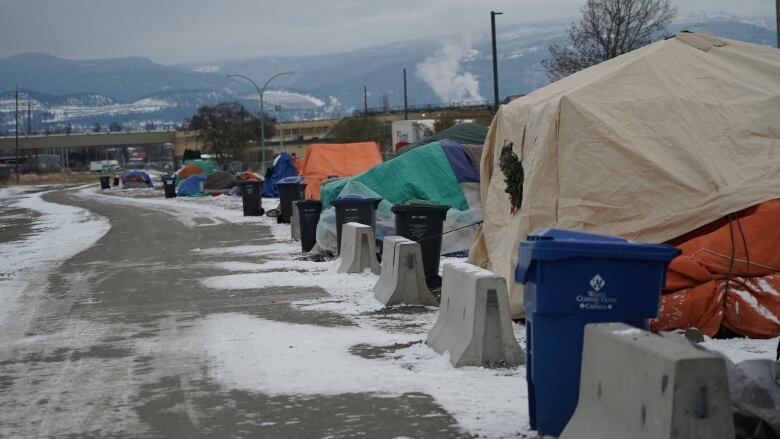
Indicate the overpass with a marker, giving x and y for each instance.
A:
(86, 140)
(294, 131)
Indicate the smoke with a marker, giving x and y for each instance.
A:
(442, 72)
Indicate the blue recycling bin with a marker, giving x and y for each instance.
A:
(572, 279)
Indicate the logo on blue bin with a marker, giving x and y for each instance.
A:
(597, 283)
(596, 298)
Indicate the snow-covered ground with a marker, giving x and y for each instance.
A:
(59, 233)
(276, 358)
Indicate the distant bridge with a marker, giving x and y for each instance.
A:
(85, 140)
(287, 131)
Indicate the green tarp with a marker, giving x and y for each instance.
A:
(463, 133)
(422, 174)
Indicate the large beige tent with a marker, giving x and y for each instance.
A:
(648, 146)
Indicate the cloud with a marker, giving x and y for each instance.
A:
(442, 72)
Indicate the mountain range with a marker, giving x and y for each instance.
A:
(135, 92)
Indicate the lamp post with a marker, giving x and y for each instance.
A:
(260, 92)
(495, 59)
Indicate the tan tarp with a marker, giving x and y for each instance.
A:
(648, 146)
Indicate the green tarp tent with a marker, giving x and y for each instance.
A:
(424, 173)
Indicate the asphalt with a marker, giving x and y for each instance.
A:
(99, 346)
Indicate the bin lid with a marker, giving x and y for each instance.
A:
(416, 205)
(295, 179)
(555, 244)
(309, 202)
(356, 199)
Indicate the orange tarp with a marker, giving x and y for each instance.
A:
(728, 276)
(190, 170)
(337, 159)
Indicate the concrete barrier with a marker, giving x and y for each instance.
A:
(474, 325)
(403, 277)
(358, 249)
(635, 384)
(295, 223)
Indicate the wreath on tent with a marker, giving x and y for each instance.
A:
(512, 168)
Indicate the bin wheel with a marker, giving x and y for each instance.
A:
(262, 211)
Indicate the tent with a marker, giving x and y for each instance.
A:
(284, 166)
(219, 180)
(193, 186)
(324, 160)
(441, 173)
(136, 179)
(466, 133)
(189, 170)
(433, 172)
(648, 146)
(207, 166)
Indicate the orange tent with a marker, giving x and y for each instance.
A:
(189, 171)
(323, 160)
(727, 277)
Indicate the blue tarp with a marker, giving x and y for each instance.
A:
(137, 176)
(192, 186)
(464, 170)
(284, 167)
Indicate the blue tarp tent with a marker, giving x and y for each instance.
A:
(192, 186)
(284, 167)
(136, 179)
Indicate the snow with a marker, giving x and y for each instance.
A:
(751, 301)
(293, 359)
(249, 353)
(61, 232)
(740, 349)
(627, 332)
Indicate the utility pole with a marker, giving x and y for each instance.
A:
(365, 100)
(406, 102)
(17, 134)
(777, 19)
(495, 59)
(29, 117)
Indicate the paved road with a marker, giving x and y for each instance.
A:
(101, 348)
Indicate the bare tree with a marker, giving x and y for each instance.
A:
(360, 129)
(227, 127)
(608, 28)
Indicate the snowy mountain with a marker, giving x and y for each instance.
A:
(136, 91)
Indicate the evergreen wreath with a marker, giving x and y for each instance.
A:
(513, 175)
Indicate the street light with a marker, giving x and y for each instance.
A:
(260, 92)
(495, 60)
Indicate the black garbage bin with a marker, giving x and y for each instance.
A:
(105, 182)
(355, 209)
(423, 222)
(290, 189)
(116, 180)
(252, 197)
(169, 183)
(308, 216)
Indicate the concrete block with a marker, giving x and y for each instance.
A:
(358, 249)
(635, 384)
(403, 277)
(295, 223)
(474, 324)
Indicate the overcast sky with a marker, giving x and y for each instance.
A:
(180, 31)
